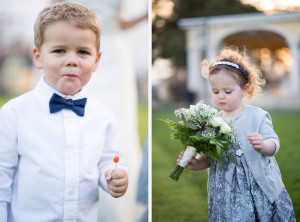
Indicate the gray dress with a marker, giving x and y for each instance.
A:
(234, 195)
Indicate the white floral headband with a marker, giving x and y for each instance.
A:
(232, 65)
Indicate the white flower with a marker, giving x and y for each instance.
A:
(192, 110)
(216, 121)
(239, 152)
(212, 110)
(225, 129)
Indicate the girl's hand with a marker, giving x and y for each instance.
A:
(117, 182)
(196, 163)
(265, 147)
(256, 140)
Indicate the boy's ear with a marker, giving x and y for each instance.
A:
(97, 61)
(37, 58)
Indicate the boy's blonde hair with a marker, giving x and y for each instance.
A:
(73, 13)
(255, 81)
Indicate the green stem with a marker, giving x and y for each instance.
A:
(175, 174)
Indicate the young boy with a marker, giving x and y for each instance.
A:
(57, 146)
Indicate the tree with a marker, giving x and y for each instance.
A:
(168, 40)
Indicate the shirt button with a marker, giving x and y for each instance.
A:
(71, 192)
(271, 198)
(258, 180)
(70, 155)
(70, 121)
(249, 161)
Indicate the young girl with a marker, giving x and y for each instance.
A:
(252, 190)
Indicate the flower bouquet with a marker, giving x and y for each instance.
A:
(202, 130)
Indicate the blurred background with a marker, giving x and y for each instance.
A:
(16, 42)
(186, 32)
(17, 74)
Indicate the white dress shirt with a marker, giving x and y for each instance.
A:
(51, 164)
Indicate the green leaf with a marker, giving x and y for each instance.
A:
(209, 129)
(223, 141)
(212, 142)
(198, 133)
(171, 123)
(232, 158)
(188, 124)
(219, 150)
(223, 162)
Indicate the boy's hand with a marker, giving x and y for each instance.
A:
(117, 182)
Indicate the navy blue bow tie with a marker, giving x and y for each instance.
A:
(58, 103)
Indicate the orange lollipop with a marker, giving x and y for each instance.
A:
(116, 160)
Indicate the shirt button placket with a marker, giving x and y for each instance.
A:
(71, 166)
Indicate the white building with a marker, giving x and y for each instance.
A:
(273, 40)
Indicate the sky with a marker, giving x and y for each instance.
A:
(271, 6)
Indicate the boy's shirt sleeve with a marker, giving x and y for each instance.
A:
(109, 152)
(8, 156)
(3, 211)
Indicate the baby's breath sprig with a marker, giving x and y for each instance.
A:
(202, 130)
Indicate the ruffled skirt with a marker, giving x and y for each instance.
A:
(234, 195)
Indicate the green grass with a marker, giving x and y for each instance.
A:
(3, 100)
(287, 126)
(186, 200)
(143, 121)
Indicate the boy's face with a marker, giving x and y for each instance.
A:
(68, 57)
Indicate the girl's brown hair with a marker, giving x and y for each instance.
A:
(254, 80)
(74, 13)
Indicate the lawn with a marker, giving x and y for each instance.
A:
(143, 121)
(3, 99)
(186, 200)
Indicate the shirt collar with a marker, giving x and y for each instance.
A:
(47, 90)
(44, 92)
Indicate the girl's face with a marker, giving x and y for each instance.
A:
(227, 93)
